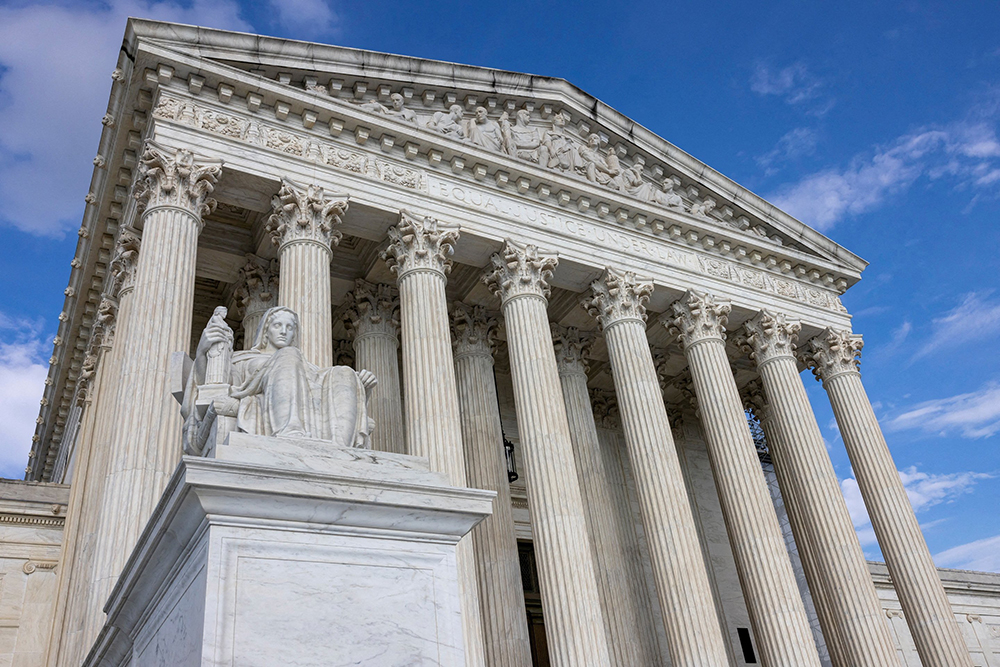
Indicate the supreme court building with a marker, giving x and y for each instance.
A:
(559, 306)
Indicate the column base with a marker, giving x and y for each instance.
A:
(289, 551)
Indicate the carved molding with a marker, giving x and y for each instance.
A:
(33, 520)
(520, 270)
(420, 243)
(305, 214)
(697, 317)
(172, 177)
(618, 296)
(373, 310)
(473, 330)
(572, 348)
(834, 352)
(768, 336)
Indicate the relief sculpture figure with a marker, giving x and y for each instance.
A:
(524, 141)
(481, 130)
(271, 389)
(448, 123)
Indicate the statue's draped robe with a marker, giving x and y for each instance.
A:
(282, 394)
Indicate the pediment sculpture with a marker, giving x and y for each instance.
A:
(271, 389)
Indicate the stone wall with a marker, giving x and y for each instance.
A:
(31, 528)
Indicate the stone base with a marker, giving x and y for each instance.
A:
(294, 552)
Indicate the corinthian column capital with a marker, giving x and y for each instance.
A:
(305, 214)
(696, 317)
(572, 348)
(171, 178)
(769, 335)
(834, 352)
(605, 406)
(474, 330)
(123, 263)
(420, 243)
(373, 310)
(520, 270)
(104, 324)
(618, 296)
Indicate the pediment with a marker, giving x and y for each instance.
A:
(538, 136)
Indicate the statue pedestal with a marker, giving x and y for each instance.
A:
(294, 552)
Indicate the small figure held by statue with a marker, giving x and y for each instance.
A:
(271, 389)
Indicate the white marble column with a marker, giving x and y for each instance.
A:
(777, 614)
(145, 446)
(694, 634)
(574, 627)
(835, 358)
(256, 291)
(302, 225)
(819, 512)
(372, 319)
(501, 595)
(419, 254)
(621, 623)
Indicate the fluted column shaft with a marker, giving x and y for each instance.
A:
(621, 622)
(373, 319)
(777, 614)
(694, 634)
(501, 594)
(418, 253)
(819, 515)
(939, 642)
(574, 626)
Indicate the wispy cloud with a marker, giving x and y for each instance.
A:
(794, 144)
(973, 415)
(924, 490)
(901, 333)
(306, 18)
(55, 62)
(22, 377)
(976, 317)
(979, 555)
(794, 84)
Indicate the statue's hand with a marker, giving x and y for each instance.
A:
(368, 381)
(217, 331)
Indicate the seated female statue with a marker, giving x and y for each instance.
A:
(273, 390)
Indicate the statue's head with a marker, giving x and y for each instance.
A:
(397, 101)
(279, 327)
(523, 116)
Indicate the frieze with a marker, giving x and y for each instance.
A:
(761, 280)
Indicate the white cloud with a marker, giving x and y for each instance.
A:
(900, 333)
(793, 83)
(979, 555)
(794, 144)
(924, 490)
(967, 152)
(22, 379)
(972, 415)
(55, 66)
(307, 18)
(975, 318)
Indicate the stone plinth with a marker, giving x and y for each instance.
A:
(294, 552)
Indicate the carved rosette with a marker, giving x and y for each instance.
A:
(605, 405)
(697, 317)
(520, 270)
(305, 214)
(124, 262)
(473, 330)
(769, 336)
(257, 287)
(834, 352)
(572, 349)
(618, 296)
(373, 310)
(420, 243)
(172, 178)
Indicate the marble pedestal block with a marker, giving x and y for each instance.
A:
(294, 552)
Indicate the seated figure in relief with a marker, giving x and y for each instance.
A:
(271, 389)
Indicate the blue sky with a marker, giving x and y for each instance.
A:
(875, 123)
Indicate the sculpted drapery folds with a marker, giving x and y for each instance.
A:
(306, 213)
(172, 177)
(618, 296)
(520, 270)
(271, 389)
(420, 243)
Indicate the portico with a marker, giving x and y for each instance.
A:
(277, 173)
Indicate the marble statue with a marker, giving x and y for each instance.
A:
(397, 110)
(449, 123)
(603, 169)
(562, 151)
(481, 130)
(702, 208)
(271, 389)
(523, 141)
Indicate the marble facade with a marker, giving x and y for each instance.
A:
(512, 259)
